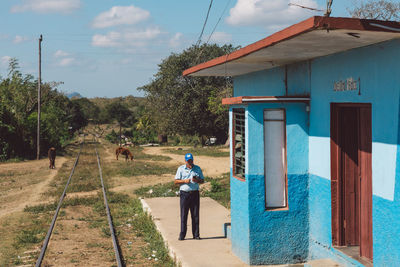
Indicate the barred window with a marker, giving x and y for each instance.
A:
(239, 147)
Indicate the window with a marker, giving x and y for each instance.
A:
(238, 142)
(275, 158)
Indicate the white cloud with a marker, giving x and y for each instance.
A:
(60, 53)
(5, 60)
(176, 40)
(221, 38)
(47, 6)
(20, 39)
(64, 59)
(120, 15)
(65, 62)
(271, 14)
(127, 38)
(111, 39)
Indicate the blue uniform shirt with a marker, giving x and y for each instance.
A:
(184, 172)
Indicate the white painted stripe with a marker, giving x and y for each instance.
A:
(385, 27)
(319, 156)
(275, 99)
(383, 170)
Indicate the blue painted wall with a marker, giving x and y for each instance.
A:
(274, 236)
(240, 227)
(268, 229)
(378, 69)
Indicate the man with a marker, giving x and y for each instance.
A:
(189, 176)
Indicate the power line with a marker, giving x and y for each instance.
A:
(222, 14)
(204, 25)
(305, 7)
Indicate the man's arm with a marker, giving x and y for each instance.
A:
(178, 179)
(185, 181)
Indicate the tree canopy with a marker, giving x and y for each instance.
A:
(18, 111)
(189, 105)
(376, 9)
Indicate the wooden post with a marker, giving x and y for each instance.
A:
(39, 96)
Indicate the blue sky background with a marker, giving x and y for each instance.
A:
(108, 48)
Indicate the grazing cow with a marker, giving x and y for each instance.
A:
(125, 152)
(52, 157)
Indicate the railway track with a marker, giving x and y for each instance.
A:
(59, 206)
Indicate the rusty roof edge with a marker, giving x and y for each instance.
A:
(316, 22)
(287, 33)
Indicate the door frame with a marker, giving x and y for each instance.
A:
(365, 176)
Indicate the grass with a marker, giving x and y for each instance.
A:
(137, 235)
(140, 155)
(214, 151)
(20, 232)
(159, 190)
(129, 216)
(219, 190)
(137, 168)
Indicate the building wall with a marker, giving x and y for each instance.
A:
(377, 67)
(273, 234)
(240, 227)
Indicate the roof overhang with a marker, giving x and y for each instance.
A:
(311, 38)
(263, 99)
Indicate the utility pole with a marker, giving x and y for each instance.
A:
(39, 96)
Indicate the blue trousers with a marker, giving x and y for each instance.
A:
(190, 201)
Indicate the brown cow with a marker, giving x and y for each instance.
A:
(52, 157)
(125, 152)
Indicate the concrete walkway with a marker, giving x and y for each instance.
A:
(213, 249)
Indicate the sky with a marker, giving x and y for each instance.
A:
(109, 48)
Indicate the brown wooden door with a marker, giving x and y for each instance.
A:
(365, 155)
(351, 176)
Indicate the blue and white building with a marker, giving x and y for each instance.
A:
(315, 134)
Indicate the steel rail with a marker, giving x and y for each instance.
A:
(47, 239)
(115, 244)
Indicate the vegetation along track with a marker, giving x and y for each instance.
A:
(108, 213)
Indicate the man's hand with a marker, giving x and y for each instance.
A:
(197, 180)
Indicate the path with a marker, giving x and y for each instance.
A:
(30, 194)
(211, 166)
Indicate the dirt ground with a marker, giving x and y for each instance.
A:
(211, 166)
(74, 240)
(24, 183)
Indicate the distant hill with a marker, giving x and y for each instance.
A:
(74, 95)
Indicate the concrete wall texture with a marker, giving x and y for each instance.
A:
(304, 230)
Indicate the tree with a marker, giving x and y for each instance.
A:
(121, 114)
(88, 109)
(18, 111)
(376, 9)
(189, 105)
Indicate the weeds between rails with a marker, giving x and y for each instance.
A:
(111, 227)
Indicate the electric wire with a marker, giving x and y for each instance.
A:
(220, 17)
(204, 25)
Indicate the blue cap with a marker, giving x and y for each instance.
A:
(188, 156)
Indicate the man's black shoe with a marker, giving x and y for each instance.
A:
(198, 238)
(181, 238)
